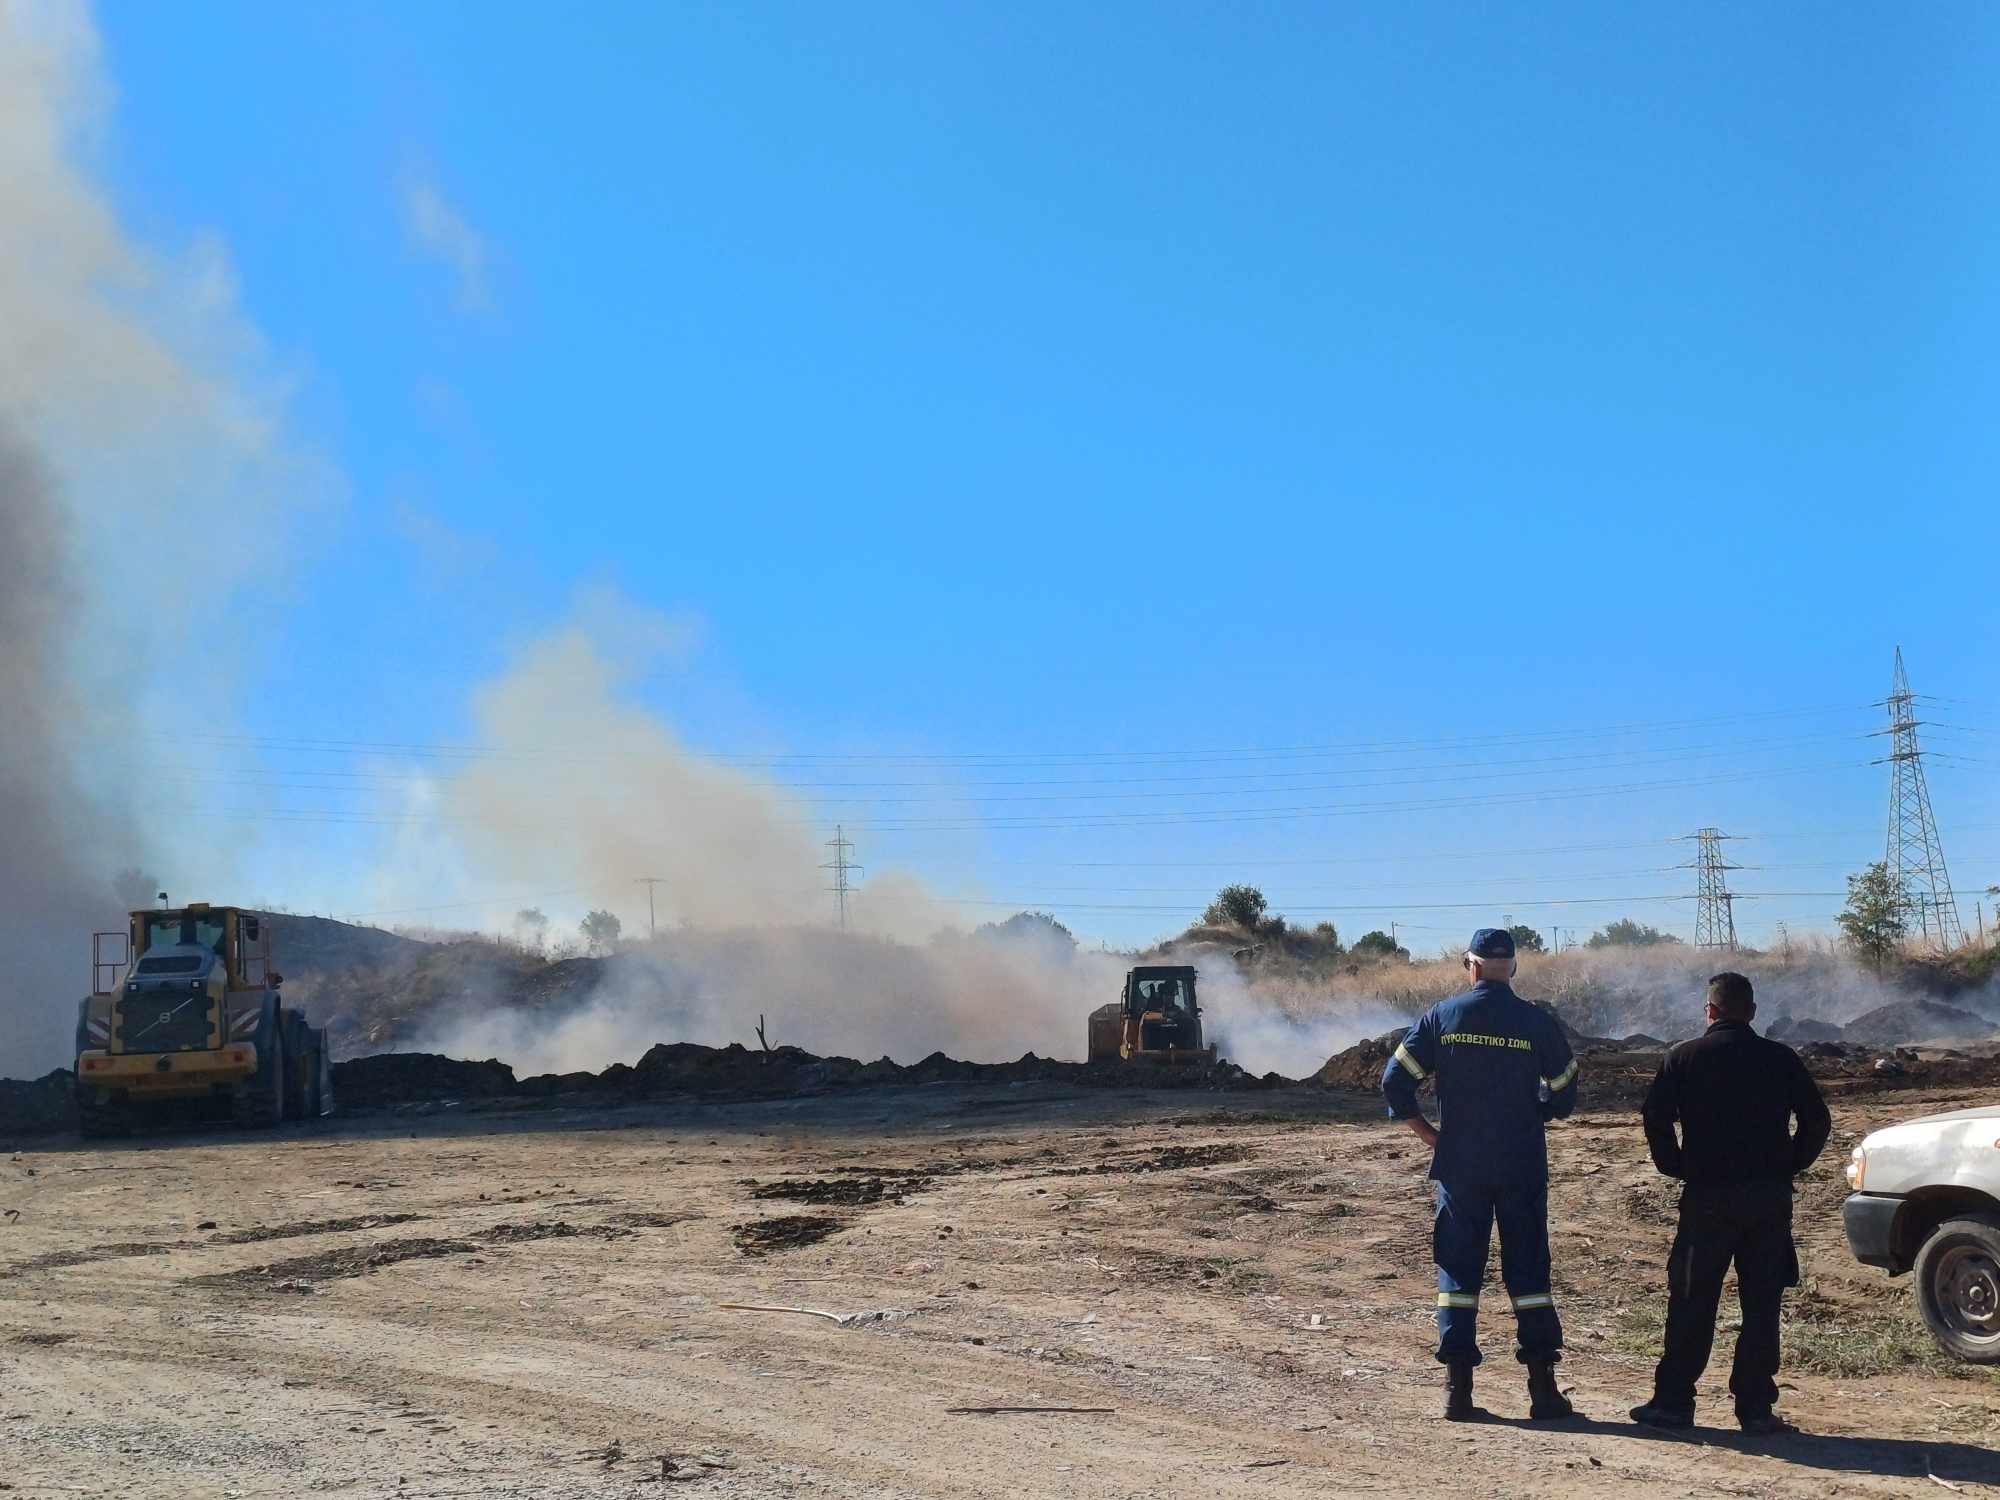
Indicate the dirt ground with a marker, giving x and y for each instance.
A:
(535, 1303)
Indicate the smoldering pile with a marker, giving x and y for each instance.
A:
(1617, 1071)
(690, 1070)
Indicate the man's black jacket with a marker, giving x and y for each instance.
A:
(1734, 1093)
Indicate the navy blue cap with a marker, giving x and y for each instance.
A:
(1492, 942)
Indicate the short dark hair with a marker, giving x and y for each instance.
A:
(1732, 994)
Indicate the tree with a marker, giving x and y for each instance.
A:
(1874, 921)
(1626, 933)
(600, 931)
(1378, 945)
(531, 925)
(1526, 939)
(1031, 926)
(1327, 936)
(1236, 906)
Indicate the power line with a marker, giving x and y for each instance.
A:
(331, 779)
(326, 745)
(949, 796)
(1166, 818)
(1341, 809)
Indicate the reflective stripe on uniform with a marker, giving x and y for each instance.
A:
(1458, 1299)
(1410, 1064)
(1533, 1299)
(1563, 1079)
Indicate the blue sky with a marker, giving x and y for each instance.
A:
(1096, 394)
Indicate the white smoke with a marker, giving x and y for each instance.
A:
(985, 998)
(1278, 1023)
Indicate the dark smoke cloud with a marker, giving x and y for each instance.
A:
(61, 844)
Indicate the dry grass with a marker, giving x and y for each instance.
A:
(1822, 1336)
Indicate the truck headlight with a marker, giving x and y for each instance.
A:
(1857, 1168)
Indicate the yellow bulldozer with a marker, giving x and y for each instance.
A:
(1156, 1019)
(185, 1016)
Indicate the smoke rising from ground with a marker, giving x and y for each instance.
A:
(582, 789)
(134, 436)
(1289, 1024)
(982, 998)
(1660, 991)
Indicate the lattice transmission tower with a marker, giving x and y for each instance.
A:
(842, 867)
(1715, 909)
(1915, 860)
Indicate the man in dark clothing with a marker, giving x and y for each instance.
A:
(1735, 1095)
(1503, 1069)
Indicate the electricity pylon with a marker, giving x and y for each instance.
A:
(1715, 910)
(842, 867)
(1915, 859)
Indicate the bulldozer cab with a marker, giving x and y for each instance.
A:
(1161, 1015)
(180, 941)
(1161, 990)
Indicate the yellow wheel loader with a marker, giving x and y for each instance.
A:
(185, 1014)
(1156, 1019)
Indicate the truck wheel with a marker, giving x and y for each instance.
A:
(1958, 1287)
(260, 1103)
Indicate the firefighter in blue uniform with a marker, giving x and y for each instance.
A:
(1503, 1069)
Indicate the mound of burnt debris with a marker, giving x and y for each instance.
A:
(1796, 1031)
(674, 1069)
(41, 1106)
(363, 1083)
(1919, 1020)
(1618, 1072)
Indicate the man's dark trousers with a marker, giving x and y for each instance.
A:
(1751, 1224)
(1459, 1240)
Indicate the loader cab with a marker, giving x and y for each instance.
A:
(199, 940)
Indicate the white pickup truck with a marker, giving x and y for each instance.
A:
(1927, 1199)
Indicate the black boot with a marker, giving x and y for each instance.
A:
(1458, 1405)
(1546, 1402)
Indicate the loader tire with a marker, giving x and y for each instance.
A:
(97, 1122)
(260, 1104)
(298, 1084)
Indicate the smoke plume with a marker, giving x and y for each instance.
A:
(134, 424)
(50, 894)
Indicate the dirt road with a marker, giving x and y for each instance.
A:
(533, 1304)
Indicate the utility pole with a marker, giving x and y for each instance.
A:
(1915, 859)
(842, 867)
(1715, 911)
(649, 881)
